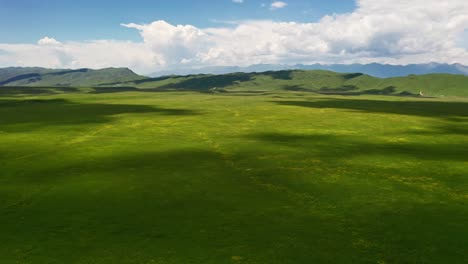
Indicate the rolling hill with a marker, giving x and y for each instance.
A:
(316, 81)
(15, 76)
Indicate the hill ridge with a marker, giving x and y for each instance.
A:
(373, 69)
(316, 81)
(36, 76)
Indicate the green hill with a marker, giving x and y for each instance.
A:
(317, 81)
(79, 77)
(431, 84)
(12, 73)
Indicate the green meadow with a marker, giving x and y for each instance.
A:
(103, 176)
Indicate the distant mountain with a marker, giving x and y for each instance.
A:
(33, 76)
(373, 69)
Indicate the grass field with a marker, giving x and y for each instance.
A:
(270, 177)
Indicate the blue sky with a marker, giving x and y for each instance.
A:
(29, 20)
(153, 35)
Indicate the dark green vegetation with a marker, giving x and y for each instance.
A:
(321, 82)
(100, 175)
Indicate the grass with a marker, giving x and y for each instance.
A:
(266, 177)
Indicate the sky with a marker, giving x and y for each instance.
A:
(152, 35)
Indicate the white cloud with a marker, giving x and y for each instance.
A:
(238, 1)
(277, 5)
(48, 41)
(385, 31)
(172, 44)
(92, 54)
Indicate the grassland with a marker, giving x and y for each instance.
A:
(238, 177)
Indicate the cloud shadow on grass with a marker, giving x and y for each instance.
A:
(414, 108)
(454, 128)
(174, 199)
(342, 147)
(35, 113)
(31, 90)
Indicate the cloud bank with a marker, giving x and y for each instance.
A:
(384, 31)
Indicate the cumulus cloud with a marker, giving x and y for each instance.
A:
(277, 5)
(238, 1)
(92, 54)
(385, 31)
(48, 41)
(173, 44)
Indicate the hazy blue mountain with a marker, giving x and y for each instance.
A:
(373, 69)
(385, 70)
